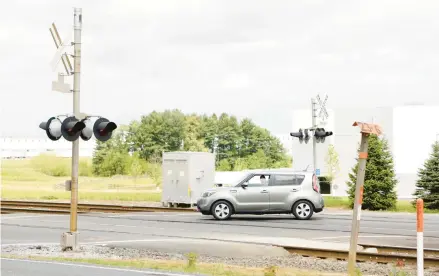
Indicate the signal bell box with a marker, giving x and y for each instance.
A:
(186, 175)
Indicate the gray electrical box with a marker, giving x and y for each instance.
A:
(186, 175)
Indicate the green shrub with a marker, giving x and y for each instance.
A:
(51, 165)
(113, 163)
(85, 167)
(137, 166)
(154, 171)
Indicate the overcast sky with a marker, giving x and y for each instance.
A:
(253, 58)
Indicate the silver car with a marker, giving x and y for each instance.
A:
(265, 192)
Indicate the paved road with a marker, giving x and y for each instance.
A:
(187, 230)
(14, 267)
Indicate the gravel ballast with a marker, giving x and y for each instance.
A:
(117, 253)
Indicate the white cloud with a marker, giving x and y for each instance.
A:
(208, 56)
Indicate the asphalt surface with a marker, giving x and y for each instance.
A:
(170, 231)
(15, 267)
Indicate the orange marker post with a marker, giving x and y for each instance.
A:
(420, 236)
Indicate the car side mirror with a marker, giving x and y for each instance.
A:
(244, 185)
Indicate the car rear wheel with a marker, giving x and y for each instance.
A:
(222, 210)
(302, 209)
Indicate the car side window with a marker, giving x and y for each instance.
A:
(258, 180)
(288, 180)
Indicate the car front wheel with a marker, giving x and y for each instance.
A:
(302, 209)
(222, 210)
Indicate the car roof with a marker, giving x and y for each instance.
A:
(278, 171)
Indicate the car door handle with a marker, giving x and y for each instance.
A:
(294, 190)
(264, 191)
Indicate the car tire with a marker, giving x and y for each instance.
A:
(303, 210)
(222, 210)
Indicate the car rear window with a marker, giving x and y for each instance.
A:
(288, 179)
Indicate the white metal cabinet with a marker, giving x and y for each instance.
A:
(186, 175)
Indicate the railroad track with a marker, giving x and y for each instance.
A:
(14, 206)
(386, 254)
(430, 259)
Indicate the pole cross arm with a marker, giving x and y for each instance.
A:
(369, 128)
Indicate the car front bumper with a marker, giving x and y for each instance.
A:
(204, 205)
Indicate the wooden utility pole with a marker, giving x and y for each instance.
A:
(366, 131)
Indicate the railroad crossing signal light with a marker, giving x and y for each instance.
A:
(321, 134)
(103, 129)
(307, 137)
(87, 132)
(52, 128)
(298, 135)
(71, 128)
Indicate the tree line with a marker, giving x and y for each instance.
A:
(137, 148)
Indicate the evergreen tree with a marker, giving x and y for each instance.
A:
(379, 181)
(427, 185)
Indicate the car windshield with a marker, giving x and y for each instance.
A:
(240, 179)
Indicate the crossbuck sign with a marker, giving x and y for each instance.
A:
(323, 114)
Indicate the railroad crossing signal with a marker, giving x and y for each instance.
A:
(307, 137)
(103, 129)
(72, 128)
(321, 134)
(303, 135)
(52, 128)
(298, 135)
(87, 132)
(76, 126)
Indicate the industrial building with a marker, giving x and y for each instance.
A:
(410, 131)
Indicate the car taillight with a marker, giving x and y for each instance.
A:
(314, 183)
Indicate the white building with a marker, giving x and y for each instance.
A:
(14, 147)
(410, 131)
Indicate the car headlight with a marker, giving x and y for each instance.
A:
(208, 193)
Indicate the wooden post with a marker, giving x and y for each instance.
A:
(366, 130)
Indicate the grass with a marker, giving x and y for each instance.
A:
(336, 202)
(182, 266)
(29, 179)
(403, 206)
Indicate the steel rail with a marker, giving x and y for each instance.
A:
(387, 249)
(361, 256)
(28, 206)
